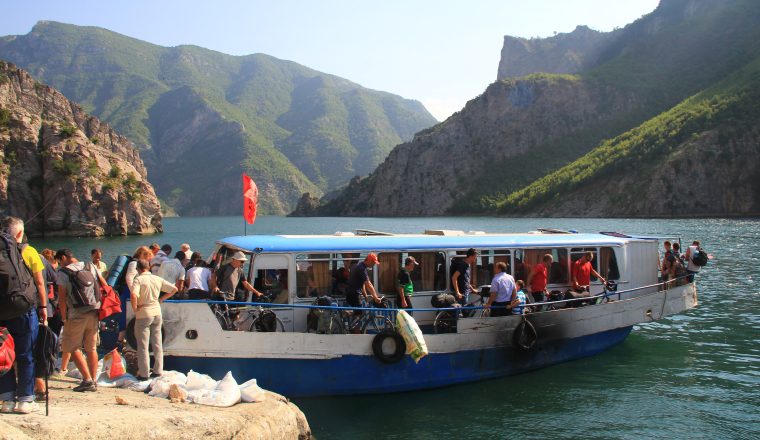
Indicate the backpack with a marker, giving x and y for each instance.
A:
(442, 300)
(700, 258)
(110, 303)
(17, 291)
(7, 351)
(85, 291)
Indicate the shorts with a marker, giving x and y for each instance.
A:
(80, 332)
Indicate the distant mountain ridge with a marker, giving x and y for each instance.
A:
(202, 117)
(523, 147)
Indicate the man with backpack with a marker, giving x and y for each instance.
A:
(23, 301)
(79, 293)
(693, 252)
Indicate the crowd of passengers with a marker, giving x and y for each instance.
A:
(677, 268)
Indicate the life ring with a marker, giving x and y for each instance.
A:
(377, 347)
(132, 340)
(525, 335)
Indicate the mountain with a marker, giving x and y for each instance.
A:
(200, 117)
(65, 172)
(563, 53)
(522, 134)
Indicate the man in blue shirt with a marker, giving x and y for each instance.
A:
(502, 289)
(460, 276)
(359, 282)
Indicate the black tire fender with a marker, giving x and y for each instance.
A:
(377, 347)
(525, 336)
(132, 340)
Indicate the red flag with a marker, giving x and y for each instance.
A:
(250, 199)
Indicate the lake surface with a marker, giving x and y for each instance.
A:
(695, 375)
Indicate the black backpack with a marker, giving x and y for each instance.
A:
(85, 291)
(17, 291)
(700, 258)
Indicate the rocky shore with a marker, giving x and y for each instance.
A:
(97, 416)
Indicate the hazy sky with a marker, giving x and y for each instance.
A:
(440, 52)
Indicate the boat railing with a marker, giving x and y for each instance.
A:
(606, 294)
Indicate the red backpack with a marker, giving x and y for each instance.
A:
(7, 351)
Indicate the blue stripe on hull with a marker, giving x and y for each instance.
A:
(365, 374)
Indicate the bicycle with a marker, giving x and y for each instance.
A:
(373, 322)
(260, 318)
(446, 320)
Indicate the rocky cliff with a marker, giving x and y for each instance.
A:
(526, 142)
(563, 53)
(64, 171)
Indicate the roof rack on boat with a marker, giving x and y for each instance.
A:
(615, 234)
(554, 231)
(371, 232)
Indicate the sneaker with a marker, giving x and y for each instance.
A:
(154, 375)
(141, 378)
(8, 406)
(39, 396)
(26, 407)
(86, 385)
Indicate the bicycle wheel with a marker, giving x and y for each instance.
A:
(445, 322)
(267, 323)
(221, 316)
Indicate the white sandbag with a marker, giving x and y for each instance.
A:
(194, 396)
(410, 331)
(198, 381)
(226, 393)
(251, 392)
(160, 385)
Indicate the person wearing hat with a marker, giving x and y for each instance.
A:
(230, 277)
(405, 285)
(359, 282)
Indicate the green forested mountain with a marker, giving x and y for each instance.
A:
(657, 102)
(202, 117)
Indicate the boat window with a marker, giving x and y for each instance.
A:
(270, 277)
(428, 276)
(558, 273)
(577, 253)
(325, 274)
(608, 264)
(486, 261)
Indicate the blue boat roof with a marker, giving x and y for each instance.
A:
(359, 243)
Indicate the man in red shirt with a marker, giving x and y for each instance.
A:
(538, 278)
(582, 271)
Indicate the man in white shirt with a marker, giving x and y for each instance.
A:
(172, 271)
(146, 304)
(502, 288)
(160, 256)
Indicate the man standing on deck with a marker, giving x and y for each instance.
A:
(691, 251)
(460, 276)
(359, 282)
(161, 256)
(538, 277)
(405, 285)
(582, 271)
(502, 288)
(230, 276)
(173, 271)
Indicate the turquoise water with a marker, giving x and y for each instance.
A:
(695, 375)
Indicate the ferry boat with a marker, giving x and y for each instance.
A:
(296, 361)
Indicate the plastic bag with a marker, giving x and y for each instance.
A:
(124, 381)
(198, 381)
(226, 393)
(113, 365)
(251, 392)
(410, 331)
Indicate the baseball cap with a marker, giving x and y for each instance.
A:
(372, 257)
(239, 256)
(410, 260)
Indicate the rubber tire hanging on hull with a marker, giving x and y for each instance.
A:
(132, 340)
(377, 347)
(525, 336)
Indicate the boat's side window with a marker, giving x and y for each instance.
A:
(325, 274)
(273, 283)
(428, 276)
(608, 264)
(577, 253)
(486, 261)
(558, 272)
